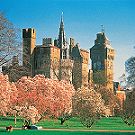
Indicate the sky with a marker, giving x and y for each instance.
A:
(82, 21)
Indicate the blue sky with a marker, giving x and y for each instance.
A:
(82, 19)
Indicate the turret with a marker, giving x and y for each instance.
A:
(29, 39)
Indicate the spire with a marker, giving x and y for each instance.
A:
(102, 28)
(61, 37)
(62, 17)
(62, 22)
(62, 44)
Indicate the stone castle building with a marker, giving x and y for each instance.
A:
(63, 59)
(58, 59)
(102, 57)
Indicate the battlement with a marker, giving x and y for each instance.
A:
(29, 33)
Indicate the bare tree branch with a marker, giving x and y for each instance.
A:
(9, 40)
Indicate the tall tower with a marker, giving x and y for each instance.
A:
(62, 43)
(29, 39)
(102, 56)
(71, 45)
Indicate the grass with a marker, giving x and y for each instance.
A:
(34, 132)
(112, 123)
(6, 121)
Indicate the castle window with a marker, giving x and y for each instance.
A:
(55, 60)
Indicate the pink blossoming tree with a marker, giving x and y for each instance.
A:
(8, 92)
(49, 97)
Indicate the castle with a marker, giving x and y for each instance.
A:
(62, 59)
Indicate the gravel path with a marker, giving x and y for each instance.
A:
(80, 130)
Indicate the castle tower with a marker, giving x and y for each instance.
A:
(29, 39)
(47, 41)
(46, 61)
(102, 57)
(71, 45)
(62, 43)
(80, 66)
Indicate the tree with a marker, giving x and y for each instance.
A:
(129, 105)
(100, 85)
(49, 97)
(89, 105)
(8, 92)
(129, 108)
(130, 69)
(110, 99)
(9, 44)
(14, 70)
(10, 49)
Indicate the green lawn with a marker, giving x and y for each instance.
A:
(112, 123)
(32, 132)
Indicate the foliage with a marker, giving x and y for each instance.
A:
(88, 104)
(109, 97)
(35, 98)
(107, 94)
(129, 109)
(130, 69)
(129, 105)
(7, 93)
(49, 97)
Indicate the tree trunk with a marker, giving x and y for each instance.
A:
(62, 121)
(15, 120)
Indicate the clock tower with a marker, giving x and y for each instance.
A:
(102, 57)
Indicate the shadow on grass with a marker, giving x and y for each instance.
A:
(2, 130)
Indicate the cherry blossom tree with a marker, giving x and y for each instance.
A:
(107, 94)
(109, 97)
(49, 97)
(89, 105)
(35, 98)
(8, 92)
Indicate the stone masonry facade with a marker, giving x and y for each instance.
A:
(64, 59)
